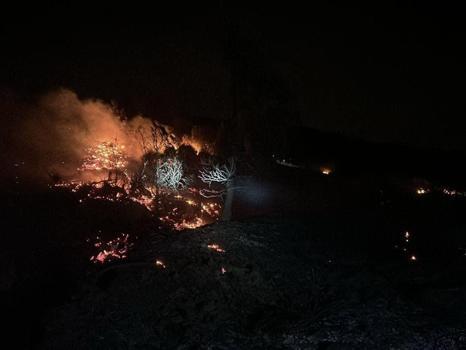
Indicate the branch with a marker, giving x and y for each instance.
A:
(219, 174)
(208, 193)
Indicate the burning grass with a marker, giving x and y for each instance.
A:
(114, 249)
(216, 248)
(95, 152)
(160, 181)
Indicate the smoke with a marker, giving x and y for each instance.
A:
(51, 136)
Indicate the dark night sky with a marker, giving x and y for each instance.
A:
(390, 73)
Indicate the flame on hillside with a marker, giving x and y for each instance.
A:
(54, 135)
(93, 150)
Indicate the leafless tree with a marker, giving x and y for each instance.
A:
(222, 175)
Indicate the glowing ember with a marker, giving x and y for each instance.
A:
(187, 224)
(326, 171)
(181, 214)
(212, 209)
(407, 235)
(421, 191)
(112, 250)
(105, 156)
(405, 246)
(216, 248)
(159, 263)
(144, 200)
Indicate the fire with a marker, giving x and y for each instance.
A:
(159, 263)
(212, 209)
(407, 235)
(177, 212)
(93, 151)
(325, 171)
(105, 156)
(420, 191)
(181, 207)
(121, 160)
(146, 201)
(112, 250)
(189, 224)
(216, 248)
(185, 214)
(195, 144)
(406, 247)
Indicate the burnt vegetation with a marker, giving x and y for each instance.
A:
(309, 259)
(219, 219)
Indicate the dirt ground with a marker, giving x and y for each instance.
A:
(320, 268)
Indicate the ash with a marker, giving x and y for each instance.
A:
(262, 284)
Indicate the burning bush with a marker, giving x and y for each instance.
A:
(161, 182)
(90, 148)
